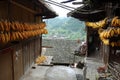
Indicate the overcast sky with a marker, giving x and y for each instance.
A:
(61, 11)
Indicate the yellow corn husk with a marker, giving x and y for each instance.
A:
(40, 59)
(99, 24)
(115, 22)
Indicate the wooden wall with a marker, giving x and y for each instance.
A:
(3, 10)
(19, 14)
(17, 58)
(26, 55)
(17, 61)
(6, 67)
(21, 11)
(32, 51)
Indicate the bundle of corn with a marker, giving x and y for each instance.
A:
(5, 26)
(115, 22)
(107, 34)
(11, 31)
(40, 59)
(16, 26)
(99, 24)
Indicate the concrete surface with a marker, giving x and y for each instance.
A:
(60, 73)
(52, 73)
(63, 72)
(92, 65)
(36, 74)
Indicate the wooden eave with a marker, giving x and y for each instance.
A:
(87, 14)
(38, 7)
(95, 12)
(47, 11)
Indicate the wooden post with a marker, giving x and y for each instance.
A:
(106, 52)
(107, 48)
(40, 44)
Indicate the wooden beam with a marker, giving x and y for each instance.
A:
(19, 5)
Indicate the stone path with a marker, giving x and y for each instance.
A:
(92, 65)
(52, 73)
(36, 74)
(39, 73)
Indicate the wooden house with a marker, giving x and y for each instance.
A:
(96, 14)
(21, 29)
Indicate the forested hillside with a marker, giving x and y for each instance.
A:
(65, 28)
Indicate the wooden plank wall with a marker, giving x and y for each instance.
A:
(6, 67)
(17, 61)
(3, 10)
(26, 54)
(19, 14)
(16, 13)
(37, 47)
(32, 51)
(26, 3)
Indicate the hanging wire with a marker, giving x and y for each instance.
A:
(76, 10)
(67, 1)
(60, 5)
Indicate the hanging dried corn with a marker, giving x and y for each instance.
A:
(115, 22)
(110, 35)
(11, 31)
(99, 24)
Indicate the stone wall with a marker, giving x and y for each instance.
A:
(62, 50)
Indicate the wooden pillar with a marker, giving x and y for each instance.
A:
(106, 52)
(107, 48)
(40, 44)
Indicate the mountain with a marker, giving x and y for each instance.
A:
(67, 28)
